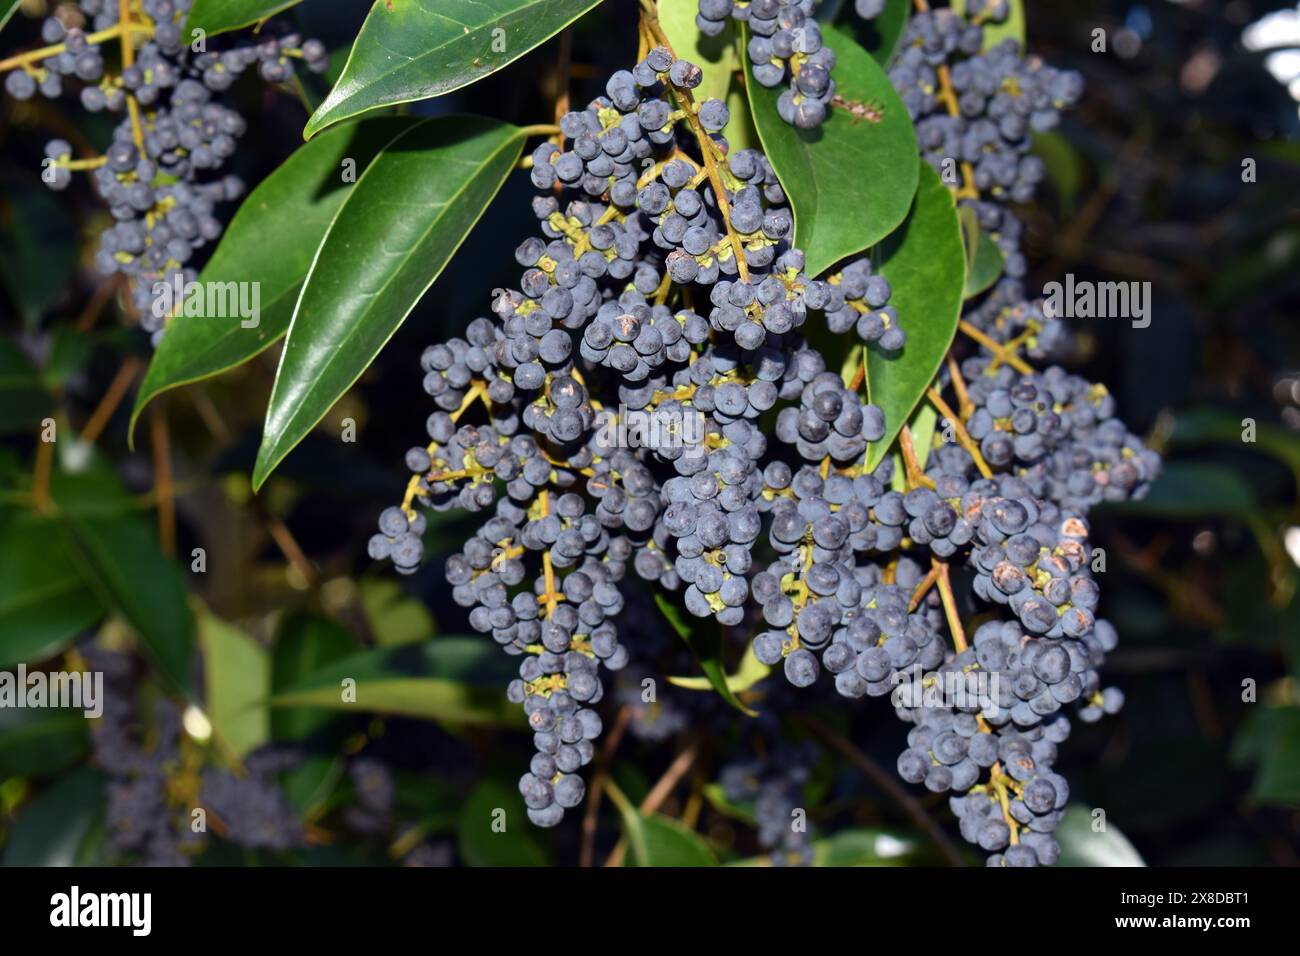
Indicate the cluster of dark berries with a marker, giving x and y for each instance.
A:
(646, 395)
(785, 44)
(155, 784)
(161, 177)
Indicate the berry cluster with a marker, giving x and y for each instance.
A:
(161, 176)
(974, 111)
(696, 433)
(785, 45)
(155, 782)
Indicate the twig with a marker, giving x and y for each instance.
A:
(128, 60)
(41, 477)
(162, 473)
(95, 307)
(963, 436)
(590, 817)
(658, 794)
(916, 475)
(650, 15)
(950, 605)
(964, 404)
(922, 589)
(886, 782)
(1000, 352)
(117, 390)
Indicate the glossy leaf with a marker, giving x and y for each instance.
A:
(23, 399)
(460, 680)
(1271, 739)
(717, 56)
(219, 16)
(121, 558)
(411, 50)
(394, 616)
(926, 267)
(237, 671)
(401, 223)
(1081, 845)
(1012, 27)
(749, 673)
(306, 643)
(983, 257)
(41, 741)
(704, 638)
(8, 14)
(659, 841)
(1207, 425)
(37, 246)
(880, 37)
(1192, 491)
(53, 828)
(45, 602)
(494, 829)
(863, 847)
(851, 180)
(271, 242)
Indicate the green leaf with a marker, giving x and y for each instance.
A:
(306, 643)
(994, 33)
(1193, 491)
(8, 14)
(863, 847)
(737, 810)
(460, 680)
(749, 673)
(1271, 738)
(719, 58)
(37, 246)
(659, 841)
(926, 267)
(716, 56)
(851, 180)
(394, 616)
(219, 16)
(41, 741)
(128, 571)
(237, 671)
(45, 602)
(1202, 426)
(983, 257)
(409, 51)
(70, 351)
(1064, 167)
(51, 830)
(1081, 846)
(704, 638)
(880, 37)
(487, 836)
(23, 399)
(270, 244)
(400, 224)
(309, 785)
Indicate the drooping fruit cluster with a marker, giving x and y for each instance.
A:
(161, 177)
(646, 395)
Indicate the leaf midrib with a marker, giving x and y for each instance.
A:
(509, 140)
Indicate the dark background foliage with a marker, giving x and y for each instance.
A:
(1146, 184)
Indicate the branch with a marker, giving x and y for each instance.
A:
(885, 780)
